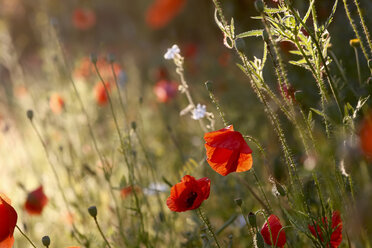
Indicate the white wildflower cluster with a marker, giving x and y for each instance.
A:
(199, 112)
(172, 52)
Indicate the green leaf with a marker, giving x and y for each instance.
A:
(250, 33)
(274, 10)
(318, 112)
(330, 18)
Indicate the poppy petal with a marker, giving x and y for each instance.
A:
(244, 162)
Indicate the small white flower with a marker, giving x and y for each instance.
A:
(172, 52)
(199, 112)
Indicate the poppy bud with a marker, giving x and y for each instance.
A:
(258, 241)
(134, 125)
(265, 36)
(209, 85)
(355, 43)
(93, 58)
(299, 95)
(280, 189)
(259, 5)
(46, 241)
(111, 57)
(239, 201)
(252, 219)
(30, 114)
(93, 211)
(240, 45)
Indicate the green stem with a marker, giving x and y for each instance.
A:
(364, 26)
(355, 29)
(24, 235)
(358, 66)
(100, 231)
(209, 226)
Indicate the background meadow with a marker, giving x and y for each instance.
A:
(123, 153)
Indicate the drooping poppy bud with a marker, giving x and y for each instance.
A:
(272, 232)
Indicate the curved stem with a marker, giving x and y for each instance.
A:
(100, 231)
(24, 235)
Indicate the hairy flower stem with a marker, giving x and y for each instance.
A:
(100, 231)
(357, 64)
(364, 26)
(216, 103)
(208, 224)
(320, 53)
(25, 235)
(355, 29)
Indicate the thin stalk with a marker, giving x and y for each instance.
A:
(209, 226)
(355, 29)
(121, 145)
(55, 174)
(100, 231)
(118, 90)
(364, 26)
(358, 66)
(25, 235)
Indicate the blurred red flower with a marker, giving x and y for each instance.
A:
(126, 191)
(165, 90)
(365, 135)
(36, 201)
(277, 236)
(336, 232)
(161, 12)
(86, 69)
(84, 19)
(100, 93)
(227, 151)
(188, 194)
(8, 221)
(56, 103)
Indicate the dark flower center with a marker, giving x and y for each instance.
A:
(190, 199)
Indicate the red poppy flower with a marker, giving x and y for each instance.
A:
(8, 217)
(165, 90)
(161, 12)
(227, 151)
(188, 194)
(36, 201)
(336, 233)
(100, 93)
(277, 236)
(83, 19)
(365, 135)
(56, 103)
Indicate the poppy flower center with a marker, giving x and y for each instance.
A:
(191, 198)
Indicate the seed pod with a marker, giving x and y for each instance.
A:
(30, 114)
(93, 211)
(238, 201)
(260, 6)
(252, 219)
(46, 241)
(355, 42)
